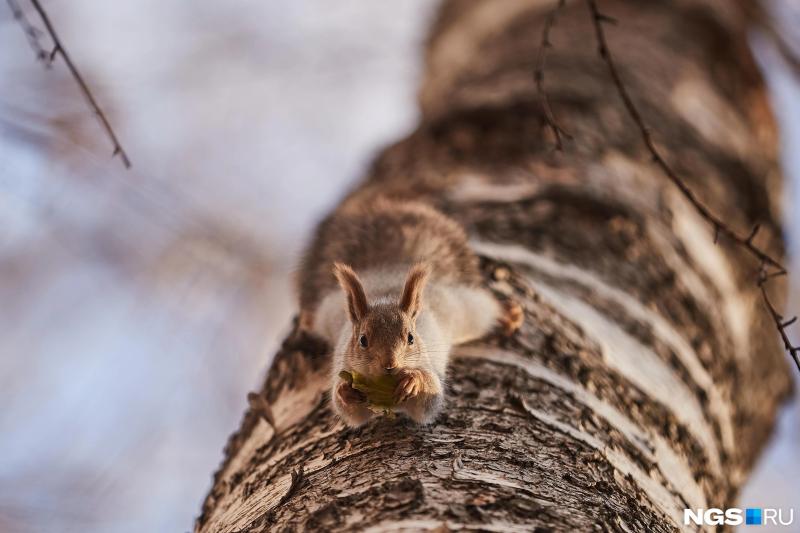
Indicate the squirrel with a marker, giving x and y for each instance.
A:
(391, 286)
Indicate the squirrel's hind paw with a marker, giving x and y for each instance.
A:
(512, 317)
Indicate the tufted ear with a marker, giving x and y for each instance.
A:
(411, 300)
(356, 297)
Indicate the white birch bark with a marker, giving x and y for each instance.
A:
(645, 379)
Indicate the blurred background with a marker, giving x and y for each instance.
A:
(138, 308)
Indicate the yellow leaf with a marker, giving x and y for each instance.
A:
(378, 390)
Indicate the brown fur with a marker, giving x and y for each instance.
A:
(357, 305)
(386, 326)
(411, 299)
(386, 242)
(383, 232)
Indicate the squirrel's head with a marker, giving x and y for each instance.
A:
(384, 334)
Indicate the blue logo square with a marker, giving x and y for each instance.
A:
(752, 517)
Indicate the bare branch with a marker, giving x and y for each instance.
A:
(31, 32)
(753, 233)
(720, 227)
(792, 350)
(538, 75)
(58, 49)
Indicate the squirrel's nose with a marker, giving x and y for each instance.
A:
(392, 363)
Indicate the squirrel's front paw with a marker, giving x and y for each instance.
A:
(419, 395)
(348, 396)
(411, 383)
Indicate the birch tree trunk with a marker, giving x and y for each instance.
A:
(646, 377)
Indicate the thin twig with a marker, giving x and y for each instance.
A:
(538, 75)
(31, 32)
(718, 225)
(781, 324)
(58, 49)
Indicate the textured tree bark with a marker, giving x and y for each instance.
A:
(646, 377)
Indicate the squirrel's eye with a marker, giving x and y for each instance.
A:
(362, 340)
(410, 338)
